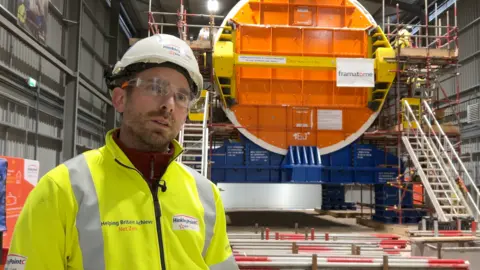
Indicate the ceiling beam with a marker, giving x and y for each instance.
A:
(413, 9)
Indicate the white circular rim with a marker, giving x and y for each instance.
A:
(323, 151)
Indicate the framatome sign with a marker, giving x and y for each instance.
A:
(355, 72)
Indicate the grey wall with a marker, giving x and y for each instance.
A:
(469, 80)
(22, 57)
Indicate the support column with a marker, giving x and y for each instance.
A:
(112, 55)
(70, 107)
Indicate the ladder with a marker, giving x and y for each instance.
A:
(194, 139)
(452, 192)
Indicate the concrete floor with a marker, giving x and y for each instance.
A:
(241, 221)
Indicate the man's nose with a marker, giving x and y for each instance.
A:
(168, 103)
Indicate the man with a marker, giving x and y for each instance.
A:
(129, 205)
(403, 38)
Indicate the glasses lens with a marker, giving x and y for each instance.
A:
(162, 88)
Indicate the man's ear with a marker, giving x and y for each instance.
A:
(119, 99)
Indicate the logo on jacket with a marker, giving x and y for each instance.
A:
(183, 222)
(15, 262)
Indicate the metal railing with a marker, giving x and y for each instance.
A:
(181, 141)
(447, 147)
(422, 140)
(205, 133)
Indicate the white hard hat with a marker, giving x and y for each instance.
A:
(156, 50)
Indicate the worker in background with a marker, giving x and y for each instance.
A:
(129, 204)
(403, 38)
(21, 12)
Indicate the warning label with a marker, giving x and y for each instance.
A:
(262, 59)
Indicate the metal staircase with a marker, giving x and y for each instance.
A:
(194, 139)
(451, 191)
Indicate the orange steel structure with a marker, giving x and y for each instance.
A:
(276, 102)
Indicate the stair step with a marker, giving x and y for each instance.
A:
(192, 155)
(453, 207)
(193, 135)
(446, 199)
(196, 142)
(439, 184)
(192, 148)
(191, 162)
(193, 129)
(436, 176)
(442, 191)
(193, 125)
(457, 215)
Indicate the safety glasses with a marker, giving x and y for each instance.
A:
(161, 88)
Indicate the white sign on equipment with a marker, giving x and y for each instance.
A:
(355, 72)
(329, 119)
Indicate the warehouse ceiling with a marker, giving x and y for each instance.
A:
(137, 11)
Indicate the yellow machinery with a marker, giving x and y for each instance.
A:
(415, 104)
(197, 111)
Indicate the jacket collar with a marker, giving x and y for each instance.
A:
(118, 154)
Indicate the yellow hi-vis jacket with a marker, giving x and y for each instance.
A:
(96, 212)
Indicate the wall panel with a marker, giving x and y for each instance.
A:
(86, 63)
(58, 4)
(54, 33)
(87, 29)
(18, 114)
(8, 5)
(469, 49)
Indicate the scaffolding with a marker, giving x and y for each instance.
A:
(429, 57)
(423, 60)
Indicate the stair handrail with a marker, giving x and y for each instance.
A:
(181, 139)
(455, 186)
(462, 166)
(205, 132)
(428, 187)
(449, 181)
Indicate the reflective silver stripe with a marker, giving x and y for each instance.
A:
(205, 193)
(228, 264)
(88, 222)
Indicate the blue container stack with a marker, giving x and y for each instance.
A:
(333, 198)
(240, 162)
(244, 161)
(387, 197)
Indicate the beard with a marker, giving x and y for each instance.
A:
(146, 135)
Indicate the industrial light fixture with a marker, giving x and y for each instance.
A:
(32, 82)
(212, 5)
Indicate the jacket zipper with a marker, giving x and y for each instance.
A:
(158, 212)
